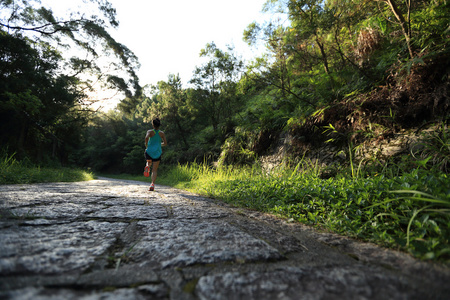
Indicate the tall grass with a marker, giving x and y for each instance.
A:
(13, 171)
(202, 178)
(436, 147)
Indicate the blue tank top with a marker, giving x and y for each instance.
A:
(154, 145)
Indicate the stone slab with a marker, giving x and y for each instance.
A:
(55, 249)
(322, 282)
(175, 243)
(143, 292)
(67, 211)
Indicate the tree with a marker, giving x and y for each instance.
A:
(276, 69)
(76, 32)
(32, 98)
(217, 80)
(42, 89)
(169, 104)
(112, 143)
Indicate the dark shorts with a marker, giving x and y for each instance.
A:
(148, 157)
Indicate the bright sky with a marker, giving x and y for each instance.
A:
(168, 35)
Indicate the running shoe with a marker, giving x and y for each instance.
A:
(152, 187)
(147, 171)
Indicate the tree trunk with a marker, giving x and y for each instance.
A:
(405, 25)
(324, 56)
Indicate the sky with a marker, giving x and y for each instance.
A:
(167, 35)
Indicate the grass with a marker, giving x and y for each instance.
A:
(17, 172)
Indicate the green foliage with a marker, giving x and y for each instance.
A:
(436, 147)
(36, 103)
(425, 220)
(13, 171)
(216, 82)
(235, 150)
(170, 104)
(24, 101)
(113, 143)
(430, 22)
(42, 90)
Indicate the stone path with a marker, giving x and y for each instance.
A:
(111, 239)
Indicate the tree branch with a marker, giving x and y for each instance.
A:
(404, 24)
(271, 82)
(41, 29)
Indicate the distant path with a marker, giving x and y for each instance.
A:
(112, 239)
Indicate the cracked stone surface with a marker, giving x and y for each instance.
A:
(55, 249)
(169, 243)
(112, 239)
(293, 283)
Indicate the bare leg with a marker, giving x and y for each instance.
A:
(155, 171)
(149, 164)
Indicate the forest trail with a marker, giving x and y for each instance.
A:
(112, 239)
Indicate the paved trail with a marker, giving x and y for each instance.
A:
(111, 239)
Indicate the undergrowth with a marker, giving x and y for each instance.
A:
(13, 171)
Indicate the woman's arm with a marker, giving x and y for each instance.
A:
(163, 138)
